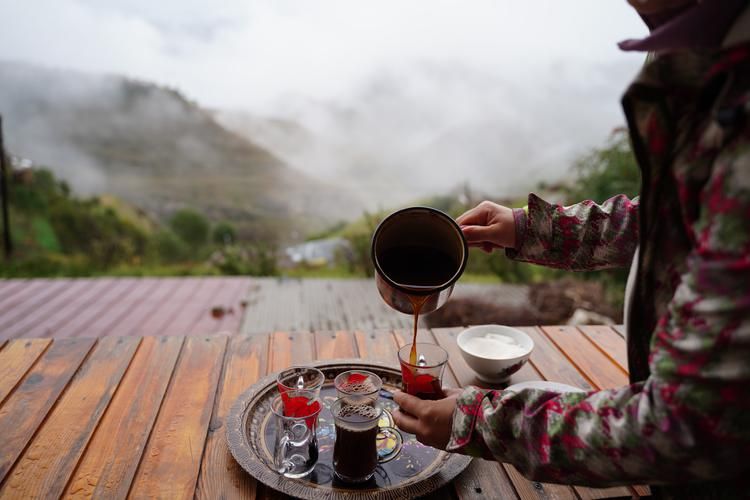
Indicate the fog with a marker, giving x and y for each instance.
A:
(390, 99)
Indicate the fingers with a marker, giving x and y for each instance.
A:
(476, 216)
(405, 422)
(410, 404)
(481, 234)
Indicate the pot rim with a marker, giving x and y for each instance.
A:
(431, 290)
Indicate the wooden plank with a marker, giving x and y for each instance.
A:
(377, 345)
(552, 363)
(220, 475)
(59, 443)
(333, 345)
(609, 342)
(27, 406)
(171, 461)
(589, 360)
(642, 491)
(621, 331)
(290, 348)
(16, 359)
(484, 479)
(125, 427)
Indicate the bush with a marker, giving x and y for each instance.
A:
(168, 247)
(224, 234)
(249, 260)
(190, 226)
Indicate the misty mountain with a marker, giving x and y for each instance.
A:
(155, 148)
(402, 136)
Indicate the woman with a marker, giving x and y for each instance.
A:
(685, 417)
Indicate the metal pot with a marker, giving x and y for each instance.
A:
(423, 227)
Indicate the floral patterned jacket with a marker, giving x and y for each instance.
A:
(685, 417)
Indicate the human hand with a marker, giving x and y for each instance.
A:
(489, 226)
(430, 421)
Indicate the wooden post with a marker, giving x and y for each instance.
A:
(7, 243)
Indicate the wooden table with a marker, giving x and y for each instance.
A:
(143, 416)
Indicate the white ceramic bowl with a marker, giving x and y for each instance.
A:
(495, 370)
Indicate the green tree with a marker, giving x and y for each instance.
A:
(224, 234)
(606, 172)
(190, 226)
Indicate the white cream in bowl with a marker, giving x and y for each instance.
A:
(494, 352)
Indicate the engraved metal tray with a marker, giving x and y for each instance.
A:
(417, 470)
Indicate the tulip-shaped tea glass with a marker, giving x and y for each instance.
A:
(296, 443)
(425, 378)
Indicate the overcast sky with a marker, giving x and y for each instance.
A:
(262, 55)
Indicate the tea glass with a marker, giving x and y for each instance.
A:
(361, 444)
(358, 385)
(304, 381)
(425, 379)
(296, 443)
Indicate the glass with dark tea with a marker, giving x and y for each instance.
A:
(356, 449)
(358, 386)
(423, 379)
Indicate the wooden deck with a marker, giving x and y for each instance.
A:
(190, 306)
(143, 416)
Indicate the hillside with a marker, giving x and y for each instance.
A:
(158, 150)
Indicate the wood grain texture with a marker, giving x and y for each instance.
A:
(290, 348)
(333, 345)
(378, 345)
(171, 461)
(220, 475)
(551, 361)
(110, 461)
(589, 360)
(26, 407)
(609, 342)
(484, 479)
(60, 442)
(15, 360)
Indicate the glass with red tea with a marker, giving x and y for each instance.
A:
(423, 379)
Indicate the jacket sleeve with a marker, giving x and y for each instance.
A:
(581, 237)
(690, 420)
